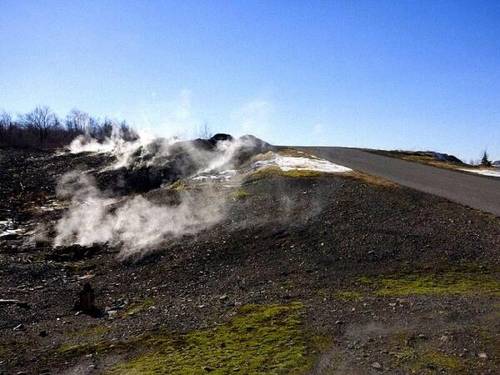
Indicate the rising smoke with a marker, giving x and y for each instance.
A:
(136, 224)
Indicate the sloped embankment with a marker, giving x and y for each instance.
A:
(306, 272)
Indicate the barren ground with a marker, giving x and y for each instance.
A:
(308, 273)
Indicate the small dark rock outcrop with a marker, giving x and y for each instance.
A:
(86, 301)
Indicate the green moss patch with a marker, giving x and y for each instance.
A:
(259, 340)
(437, 360)
(295, 153)
(422, 357)
(430, 361)
(178, 186)
(277, 171)
(138, 307)
(240, 194)
(92, 331)
(349, 295)
(72, 350)
(449, 283)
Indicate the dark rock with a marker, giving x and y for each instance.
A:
(10, 237)
(220, 137)
(73, 253)
(86, 302)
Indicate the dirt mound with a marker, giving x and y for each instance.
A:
(161, 162)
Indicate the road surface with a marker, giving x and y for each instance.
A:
(478, 192)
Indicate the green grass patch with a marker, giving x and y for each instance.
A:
(241, 194)
(277, 171)
(349, 295)
(421, 357)
(449, 283)
(440, 360)
(178, 186)
(72, 350)
(138, 307)
(295, 153)
(92, 331)
(260, 339)
(300, 173)
(429, 361)
(434, 361)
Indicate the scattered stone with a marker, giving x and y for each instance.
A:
(8, 301)
(483, 355)
(377, 366)
(14, 302)
(86, 277)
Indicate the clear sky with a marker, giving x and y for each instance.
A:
(380, 74)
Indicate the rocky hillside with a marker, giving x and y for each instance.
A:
(228, 256)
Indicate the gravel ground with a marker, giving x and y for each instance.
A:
(389, 279)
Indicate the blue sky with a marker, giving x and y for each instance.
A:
(380, 74)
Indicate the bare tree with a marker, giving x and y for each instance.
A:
(40, 120)
(5, 123)
(78, 122)
(106, 128)
(204, 131)
(42, 128)
(127, 132)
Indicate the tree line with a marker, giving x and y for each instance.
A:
(43, 129)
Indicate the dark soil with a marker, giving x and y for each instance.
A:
(393, 280)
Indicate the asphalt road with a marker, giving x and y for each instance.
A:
(478, 192)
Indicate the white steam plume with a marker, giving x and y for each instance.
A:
(136, 224)
(115, 145)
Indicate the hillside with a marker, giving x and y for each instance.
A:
(228, 256)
